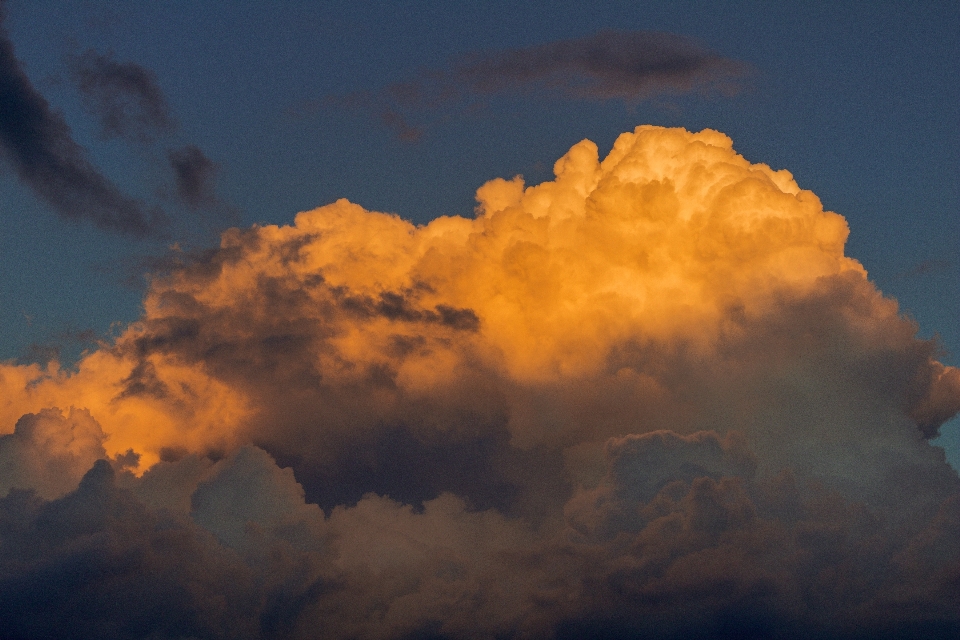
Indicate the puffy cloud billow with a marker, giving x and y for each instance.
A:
(650, 398)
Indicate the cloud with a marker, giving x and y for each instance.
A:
(194, 173)
(130, 104)
(718, 557)
(625, 65)
(124, 95)
(924, 268)
(49, 452)
(631, 66)
(649, 398)
(97, 563)
(640, 466)
(37, 142)
(248, 488)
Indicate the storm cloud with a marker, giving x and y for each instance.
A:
(649, 398)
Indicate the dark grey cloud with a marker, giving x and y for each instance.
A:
(626, 65)
(925, 268)
(102, 561)
(130, 104)
(609, 65)
(124, 95)
(38, 143)
(194, 174)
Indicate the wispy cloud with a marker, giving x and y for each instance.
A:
(38, 143)
(631, 66)
(124, 95)
(628, 65)
(194, 173)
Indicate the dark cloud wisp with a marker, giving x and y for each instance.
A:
(194, 173)
(38, 144)
(124, 95)
(609, 65)
(626, 65)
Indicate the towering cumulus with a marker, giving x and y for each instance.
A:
(649, 398)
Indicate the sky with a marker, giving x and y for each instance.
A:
(479, 319)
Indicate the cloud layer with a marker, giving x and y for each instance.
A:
(625, 65)
(650, 398)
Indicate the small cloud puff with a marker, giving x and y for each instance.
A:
(124, 95)
(49, 452)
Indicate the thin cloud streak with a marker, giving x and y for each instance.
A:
(124, 95)
(38, 143)
(631, 66)
(623, 65)
(925, 268)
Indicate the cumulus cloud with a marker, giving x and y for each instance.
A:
(625, 65)
(649, 398)
(49, 452)
(124, 95)
(247, 489)
(97, 563)
(640, 466)
(37, 142)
